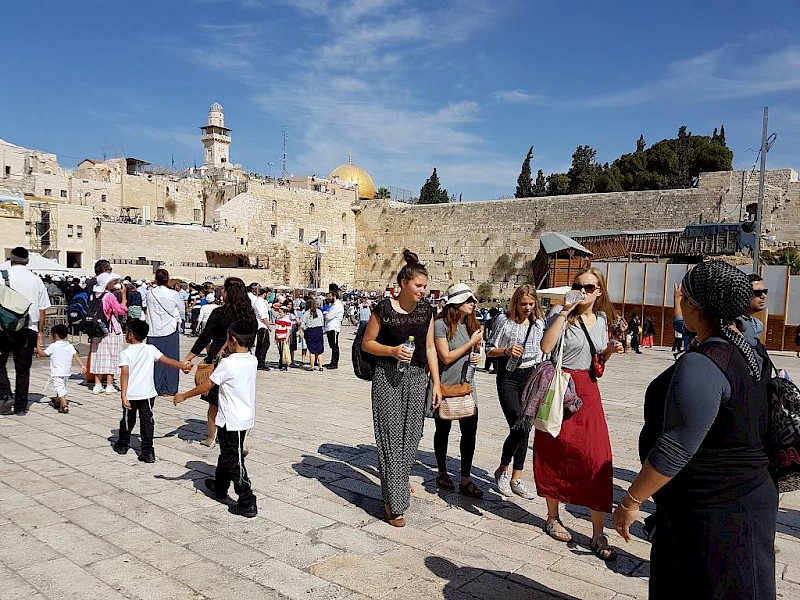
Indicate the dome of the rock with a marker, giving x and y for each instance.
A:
(350, 173)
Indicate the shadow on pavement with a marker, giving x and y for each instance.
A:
(465, 582)
(193, 430)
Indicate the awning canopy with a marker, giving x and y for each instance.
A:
(555, 242)
(40, 265)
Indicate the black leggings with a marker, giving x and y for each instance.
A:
(509, 388)
(469, 430)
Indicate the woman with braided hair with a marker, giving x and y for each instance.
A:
(702, 449)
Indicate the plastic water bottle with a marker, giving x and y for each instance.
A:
(470, 367)
(410, 346)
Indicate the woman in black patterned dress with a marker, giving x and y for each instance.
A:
(398, 394)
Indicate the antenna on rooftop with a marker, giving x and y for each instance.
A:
(285, 174)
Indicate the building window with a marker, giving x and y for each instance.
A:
(311, 209)
(160, 213)
(79, 232)
(273, 230)
(69, 231)
(344, 239)
(197, 215)
(241, 241)
(300, 235)
(274, 206)
(322, 237)
(48, 192)
(102, 197)
(63, 193)
(8, 170)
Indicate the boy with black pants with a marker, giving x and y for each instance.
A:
(138, 388)
(236, 377)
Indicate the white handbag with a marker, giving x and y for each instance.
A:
(550, 415)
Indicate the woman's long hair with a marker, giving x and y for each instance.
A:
(603, 303)
(237, 300)
(515, 306)
(452, 317)
(311, 306)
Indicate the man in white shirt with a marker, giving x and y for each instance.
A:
(262, 317)
(333, 325)
(21, 344)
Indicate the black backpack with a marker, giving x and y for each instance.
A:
(363, 362)
(77, 309)
(95, 324)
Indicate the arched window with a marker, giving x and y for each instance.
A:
(274, 206)
(311, 209)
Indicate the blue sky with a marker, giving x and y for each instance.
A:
(463, 85)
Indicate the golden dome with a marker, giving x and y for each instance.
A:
(350, 173)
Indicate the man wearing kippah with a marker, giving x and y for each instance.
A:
(21, 343)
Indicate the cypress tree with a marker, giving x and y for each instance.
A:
(524, 182)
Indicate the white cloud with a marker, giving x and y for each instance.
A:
(725, 73)
(518, 97)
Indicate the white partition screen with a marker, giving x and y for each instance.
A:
(675, 275)
(654, 284)
(793, 312)
(616, 281)
(775, 281)
(634, 287)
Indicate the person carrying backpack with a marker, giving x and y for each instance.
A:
(105, 331)
(21, 342)
(77, 310)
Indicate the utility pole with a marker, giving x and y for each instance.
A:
(285, 174)
(761, 177)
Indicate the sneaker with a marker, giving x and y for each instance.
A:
(147, 458)
(97, 389)
(243, 511)
(120, 448)
(518, 487)
(109, 389)
(503, 481)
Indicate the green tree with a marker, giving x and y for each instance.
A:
(584, 170)
(431, 192)
(524, 181)
(383, 192)
(640, 144)
(540, 187)
(557, 184)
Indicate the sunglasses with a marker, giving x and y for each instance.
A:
(470, 301)
(759, 293)
(589, 288)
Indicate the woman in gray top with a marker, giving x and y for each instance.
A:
(456, 333)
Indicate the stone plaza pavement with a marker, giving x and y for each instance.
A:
(79, 521)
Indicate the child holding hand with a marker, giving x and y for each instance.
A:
(236, 377)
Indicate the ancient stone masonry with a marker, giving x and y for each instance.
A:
(495, 241)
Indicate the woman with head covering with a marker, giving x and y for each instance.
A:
(457, 337)
(105, 350)
(702, 448)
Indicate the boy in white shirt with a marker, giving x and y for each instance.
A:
(138, 388)
(236, 377)
(61, 354)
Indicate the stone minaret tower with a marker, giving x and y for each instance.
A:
(216, 139)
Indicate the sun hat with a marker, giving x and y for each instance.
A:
(459, 293)
(102, 281)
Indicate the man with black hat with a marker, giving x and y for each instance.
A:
(21, 343)
(333, 324)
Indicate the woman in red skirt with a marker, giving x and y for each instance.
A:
(575, 467)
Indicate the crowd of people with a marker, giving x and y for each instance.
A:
(702, 446)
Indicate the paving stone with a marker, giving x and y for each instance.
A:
(80, 546)
(28, 550)
(98, 520)
(13, 585)
(354, 541)
(137, 579)
(292, 517)
(216, 582)
(35, 516)
(153, 549)
(296, 549)
(61, 578)
(369, 577)
(29, 483)
(228, 552)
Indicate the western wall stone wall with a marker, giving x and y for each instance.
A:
(495, 241)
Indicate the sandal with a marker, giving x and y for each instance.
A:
(444, 482)
(470, 489)
(393, 519)
(601, 549)
(556, 530)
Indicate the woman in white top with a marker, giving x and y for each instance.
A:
(515, 341)
(164, 313)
